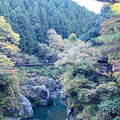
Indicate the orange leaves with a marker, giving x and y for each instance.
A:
(11, 71)
(103, 29)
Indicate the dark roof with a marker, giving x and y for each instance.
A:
(102, 58)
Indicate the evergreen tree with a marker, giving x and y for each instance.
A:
(33, 18)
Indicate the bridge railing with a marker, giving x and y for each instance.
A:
(40, 63)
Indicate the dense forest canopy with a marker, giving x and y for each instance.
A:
(72, 36)
(33, 18)
(94, 27)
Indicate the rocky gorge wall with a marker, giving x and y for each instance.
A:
(34, 91)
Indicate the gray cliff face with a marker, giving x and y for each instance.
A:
(36, 91)
(25, 107)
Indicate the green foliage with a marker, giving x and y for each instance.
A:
(9, 42)
(5, 61)
(80, 55)
(108, 42)
(52, 72)
(111, 107)
(85, 89)
(1, 115)
(117, 77)
(94, 26)
(88, 93)
(72, 37)
(8, 39)
(56, 42)
(32, 19)
(117, 118)
(46, 53)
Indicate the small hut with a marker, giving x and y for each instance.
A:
(103, 64)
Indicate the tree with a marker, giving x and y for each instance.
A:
(94, 27)
(55, 40)
(32, 19)
(116, 7)
(72, 37)
(46, 53)
(80, 53)
(8, 39)
(109, 40)
(114, 4)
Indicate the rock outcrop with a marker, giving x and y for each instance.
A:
(40, 90)
(34, 91)
(25, 107)
(21, 108)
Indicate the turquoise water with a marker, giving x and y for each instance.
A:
(57, 111)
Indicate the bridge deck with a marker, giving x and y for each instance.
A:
(30, 65)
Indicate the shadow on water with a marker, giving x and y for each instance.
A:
(56, 111)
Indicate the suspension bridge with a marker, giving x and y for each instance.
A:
(40, 63)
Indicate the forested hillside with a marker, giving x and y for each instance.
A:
(84, 48)
(33, 18)
(94, 27)
(92, 86)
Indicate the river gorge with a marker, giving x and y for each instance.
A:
(40, 99)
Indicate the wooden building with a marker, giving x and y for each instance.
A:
(103, 65)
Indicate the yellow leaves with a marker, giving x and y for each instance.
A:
(4, 61)
(72, 37)
(8, 39)
(114, 4)
(15, 38)
(116, 7)
(5, 28)
(8, 48)
(6, 32)
(2, 19)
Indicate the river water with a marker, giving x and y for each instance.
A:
(56, 111)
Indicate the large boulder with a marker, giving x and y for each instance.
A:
(40, 90)
(20, 107)
(25, 107)
(38, 95)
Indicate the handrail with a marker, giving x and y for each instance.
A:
(39, 64)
